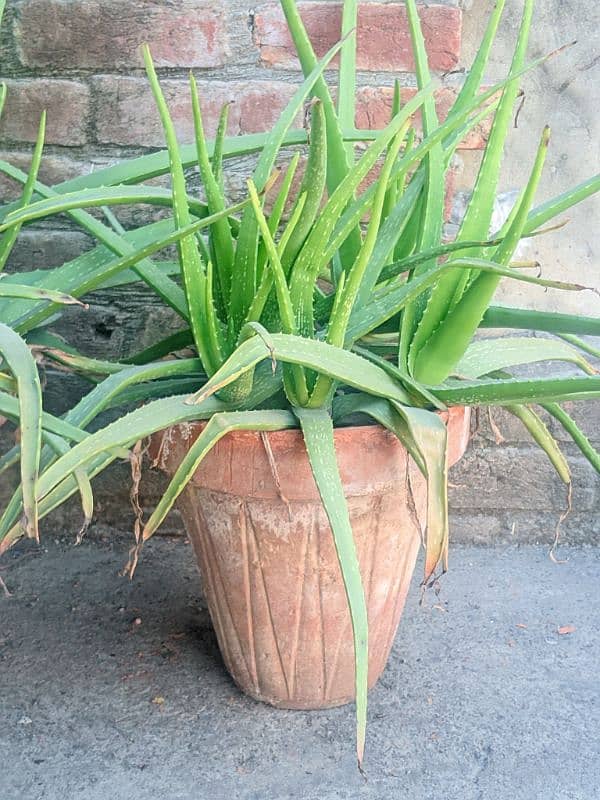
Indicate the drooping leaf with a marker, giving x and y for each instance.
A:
(542, 437)
(21, 364)
(217, 426)
(575, 432)
(317, 429)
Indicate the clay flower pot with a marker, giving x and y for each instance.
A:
(268, 561)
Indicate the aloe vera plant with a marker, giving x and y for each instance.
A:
(336, 300)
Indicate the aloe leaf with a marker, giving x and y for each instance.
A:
(549, 321)
(431, 437)
(164, 347)
(222, 249)
(449, 340)
(558, 205)
(396, 184)
(283, 194)
(143, 168)
(317, 429)
(246, 253)
(517, 391)
(21, 364)
(33, 293)
(94, 198)
(257, 309)
(7, 383)
(60, 447)
(477, 218)
(219, 145)
(432, 216)
(78, 363)
(310, 259)
(575, 432)
(388, 235)
(386, 302)
(286, 309)
(542, 437)
(192, 268)
(475, 75)
(355, 275)
(10, 237)
(214, 327)
(421, 396)
(111, 387)
(476, 222)
(124, 432)
(395, 268)
(142, 393)
(113, 391)
(343, 366)
(219, 425)
(84, 275)
(10, 407)
(167, 289)
(346, 296)
(581, 344)
(346, 223)
(296, 385)
(338, 163)
(10, 458)
(313, 184)
(275, 216)
(340, 155)
(56, 498)
(490, 355)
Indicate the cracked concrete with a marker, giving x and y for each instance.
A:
(112, 689)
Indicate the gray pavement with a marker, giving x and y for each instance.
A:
(112, 690)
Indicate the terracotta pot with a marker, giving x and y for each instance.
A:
(268, 562)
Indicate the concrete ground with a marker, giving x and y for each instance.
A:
(112, 690)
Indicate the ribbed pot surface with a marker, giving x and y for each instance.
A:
(268, 562)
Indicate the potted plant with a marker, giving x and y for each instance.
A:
(335, 353)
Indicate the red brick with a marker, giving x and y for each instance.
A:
(127, 113)
(374, 106)
(53, 169)
(67, 104)
(93, 34)
(383, 35)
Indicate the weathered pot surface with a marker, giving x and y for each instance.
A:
(268, 562)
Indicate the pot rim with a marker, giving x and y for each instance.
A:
(456, 418)
(451, 411)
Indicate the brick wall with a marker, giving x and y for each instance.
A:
(80, 60)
